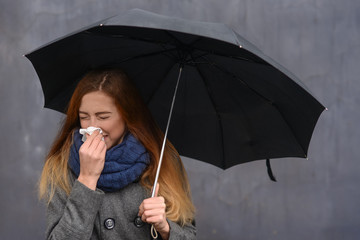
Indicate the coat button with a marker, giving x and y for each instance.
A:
(109, 223)
(138, 223)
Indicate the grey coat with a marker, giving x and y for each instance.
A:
(82, 215)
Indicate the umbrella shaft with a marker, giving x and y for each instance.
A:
(165, 136)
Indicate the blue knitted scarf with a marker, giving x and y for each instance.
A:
(124, 163)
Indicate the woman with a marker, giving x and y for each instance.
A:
(100, 188)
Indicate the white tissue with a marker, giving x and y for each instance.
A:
(89, 131)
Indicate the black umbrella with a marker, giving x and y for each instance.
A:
(234, 104)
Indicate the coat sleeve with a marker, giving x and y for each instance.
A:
(177, 232)
(73, 216)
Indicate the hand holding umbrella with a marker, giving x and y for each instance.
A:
(153, 211)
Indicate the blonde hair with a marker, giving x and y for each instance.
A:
(174, 185)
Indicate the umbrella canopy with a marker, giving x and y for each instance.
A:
(234, 104)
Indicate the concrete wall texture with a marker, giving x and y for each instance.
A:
(318, 40)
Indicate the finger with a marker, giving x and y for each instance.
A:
(150, 204)
(156, 220)
(141, 209)
(98, 141)
(157, 205)
(89, 138)
(102, 145)
(96, 149)
(154, 200)
(153, 216)
(93, 134)
(95, 141)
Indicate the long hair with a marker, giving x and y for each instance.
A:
(174, 185)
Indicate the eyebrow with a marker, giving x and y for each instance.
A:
(98, 113)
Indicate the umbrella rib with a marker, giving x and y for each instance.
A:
(249, 134)
(174, 38)
(262, 97)
(145, 55)
(164, 52)
(217, 114)
(180, 42)
(190, 45)
(159, 84)
(186, 47)
(138, 39)
(137, 57)
(234, 57)
(238, 78)
(171, 65)
(125, 37)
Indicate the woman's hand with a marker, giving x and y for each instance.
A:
(153, 211)
(92, 160)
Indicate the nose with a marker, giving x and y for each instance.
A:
(93, 122)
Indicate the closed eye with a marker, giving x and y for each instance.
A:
(83, 115)
(103, 115)
(103, 118)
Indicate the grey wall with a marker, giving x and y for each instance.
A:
(318, 40)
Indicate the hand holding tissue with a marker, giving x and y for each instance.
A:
(89, 131)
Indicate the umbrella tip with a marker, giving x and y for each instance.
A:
(101, 24)
(326, 109)
(240, 46)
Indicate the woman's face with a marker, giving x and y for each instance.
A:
(97, 109)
